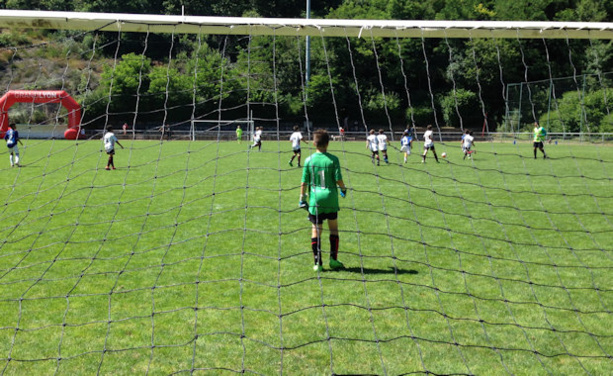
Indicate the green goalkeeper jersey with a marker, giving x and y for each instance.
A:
(321, 172)
(539, 134)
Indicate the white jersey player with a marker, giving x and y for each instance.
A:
(110, 140)
(372, 144)
(467, 142)
(382, 144)
(295, 139)
(257, 139)
(429, 144)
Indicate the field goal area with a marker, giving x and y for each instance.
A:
(220, 129)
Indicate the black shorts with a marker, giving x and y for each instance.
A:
(297, 151)
(538, 144)
(111, 152)
(320, 218)
(431, 147)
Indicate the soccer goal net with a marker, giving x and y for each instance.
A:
(221, 129)
(186, 251)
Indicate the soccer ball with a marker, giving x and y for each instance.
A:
(444, 155)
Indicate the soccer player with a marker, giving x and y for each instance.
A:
(372, 144)
(109, 146)
(295, 138)
(239, 134)
(12, 139)
(320, 177)
(411, 132)
(429, 144)
(539, 138)
(257, 139)
(165, 130)
(467, 142)
(406, 143)
(382, 144)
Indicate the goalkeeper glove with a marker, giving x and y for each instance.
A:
(303, 202)
(343, 192)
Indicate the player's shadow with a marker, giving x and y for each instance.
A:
(27, 166)
(390, 270)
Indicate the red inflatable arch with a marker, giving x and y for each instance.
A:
(42, 96)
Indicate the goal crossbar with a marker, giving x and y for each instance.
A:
(302, 27)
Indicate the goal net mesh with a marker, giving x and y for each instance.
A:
(193, 255)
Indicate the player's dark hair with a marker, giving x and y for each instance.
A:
(467, 131)
(372, 131)
(296, 128)
(405, 133)
(12, 125)
(381, 131)
(321, 138)
(109, 128)
(429, 126)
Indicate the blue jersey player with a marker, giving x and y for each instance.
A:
(406, 143)
(12, 139)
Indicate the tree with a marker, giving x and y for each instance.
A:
(125, 81)
(170, 90)
(461, 108)
(525, 10)
(213, 78)
(578, 112)
(467, 10)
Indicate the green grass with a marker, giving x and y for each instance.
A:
(194, 256)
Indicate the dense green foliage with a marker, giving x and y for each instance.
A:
(461, 80)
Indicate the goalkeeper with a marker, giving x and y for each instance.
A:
(320, 177)
(539, 138)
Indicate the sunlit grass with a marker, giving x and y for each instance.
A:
(194, 256)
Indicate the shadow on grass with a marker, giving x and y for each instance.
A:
(390, 270)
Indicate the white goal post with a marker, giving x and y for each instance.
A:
(200, 128)
(303, 27)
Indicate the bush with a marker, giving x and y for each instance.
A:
(13, 38)
(421, 115)
(575, 113)
(463, 101)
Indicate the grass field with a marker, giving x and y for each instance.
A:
(195, 257)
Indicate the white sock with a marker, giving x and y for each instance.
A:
(11, 159)
(16, 158)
